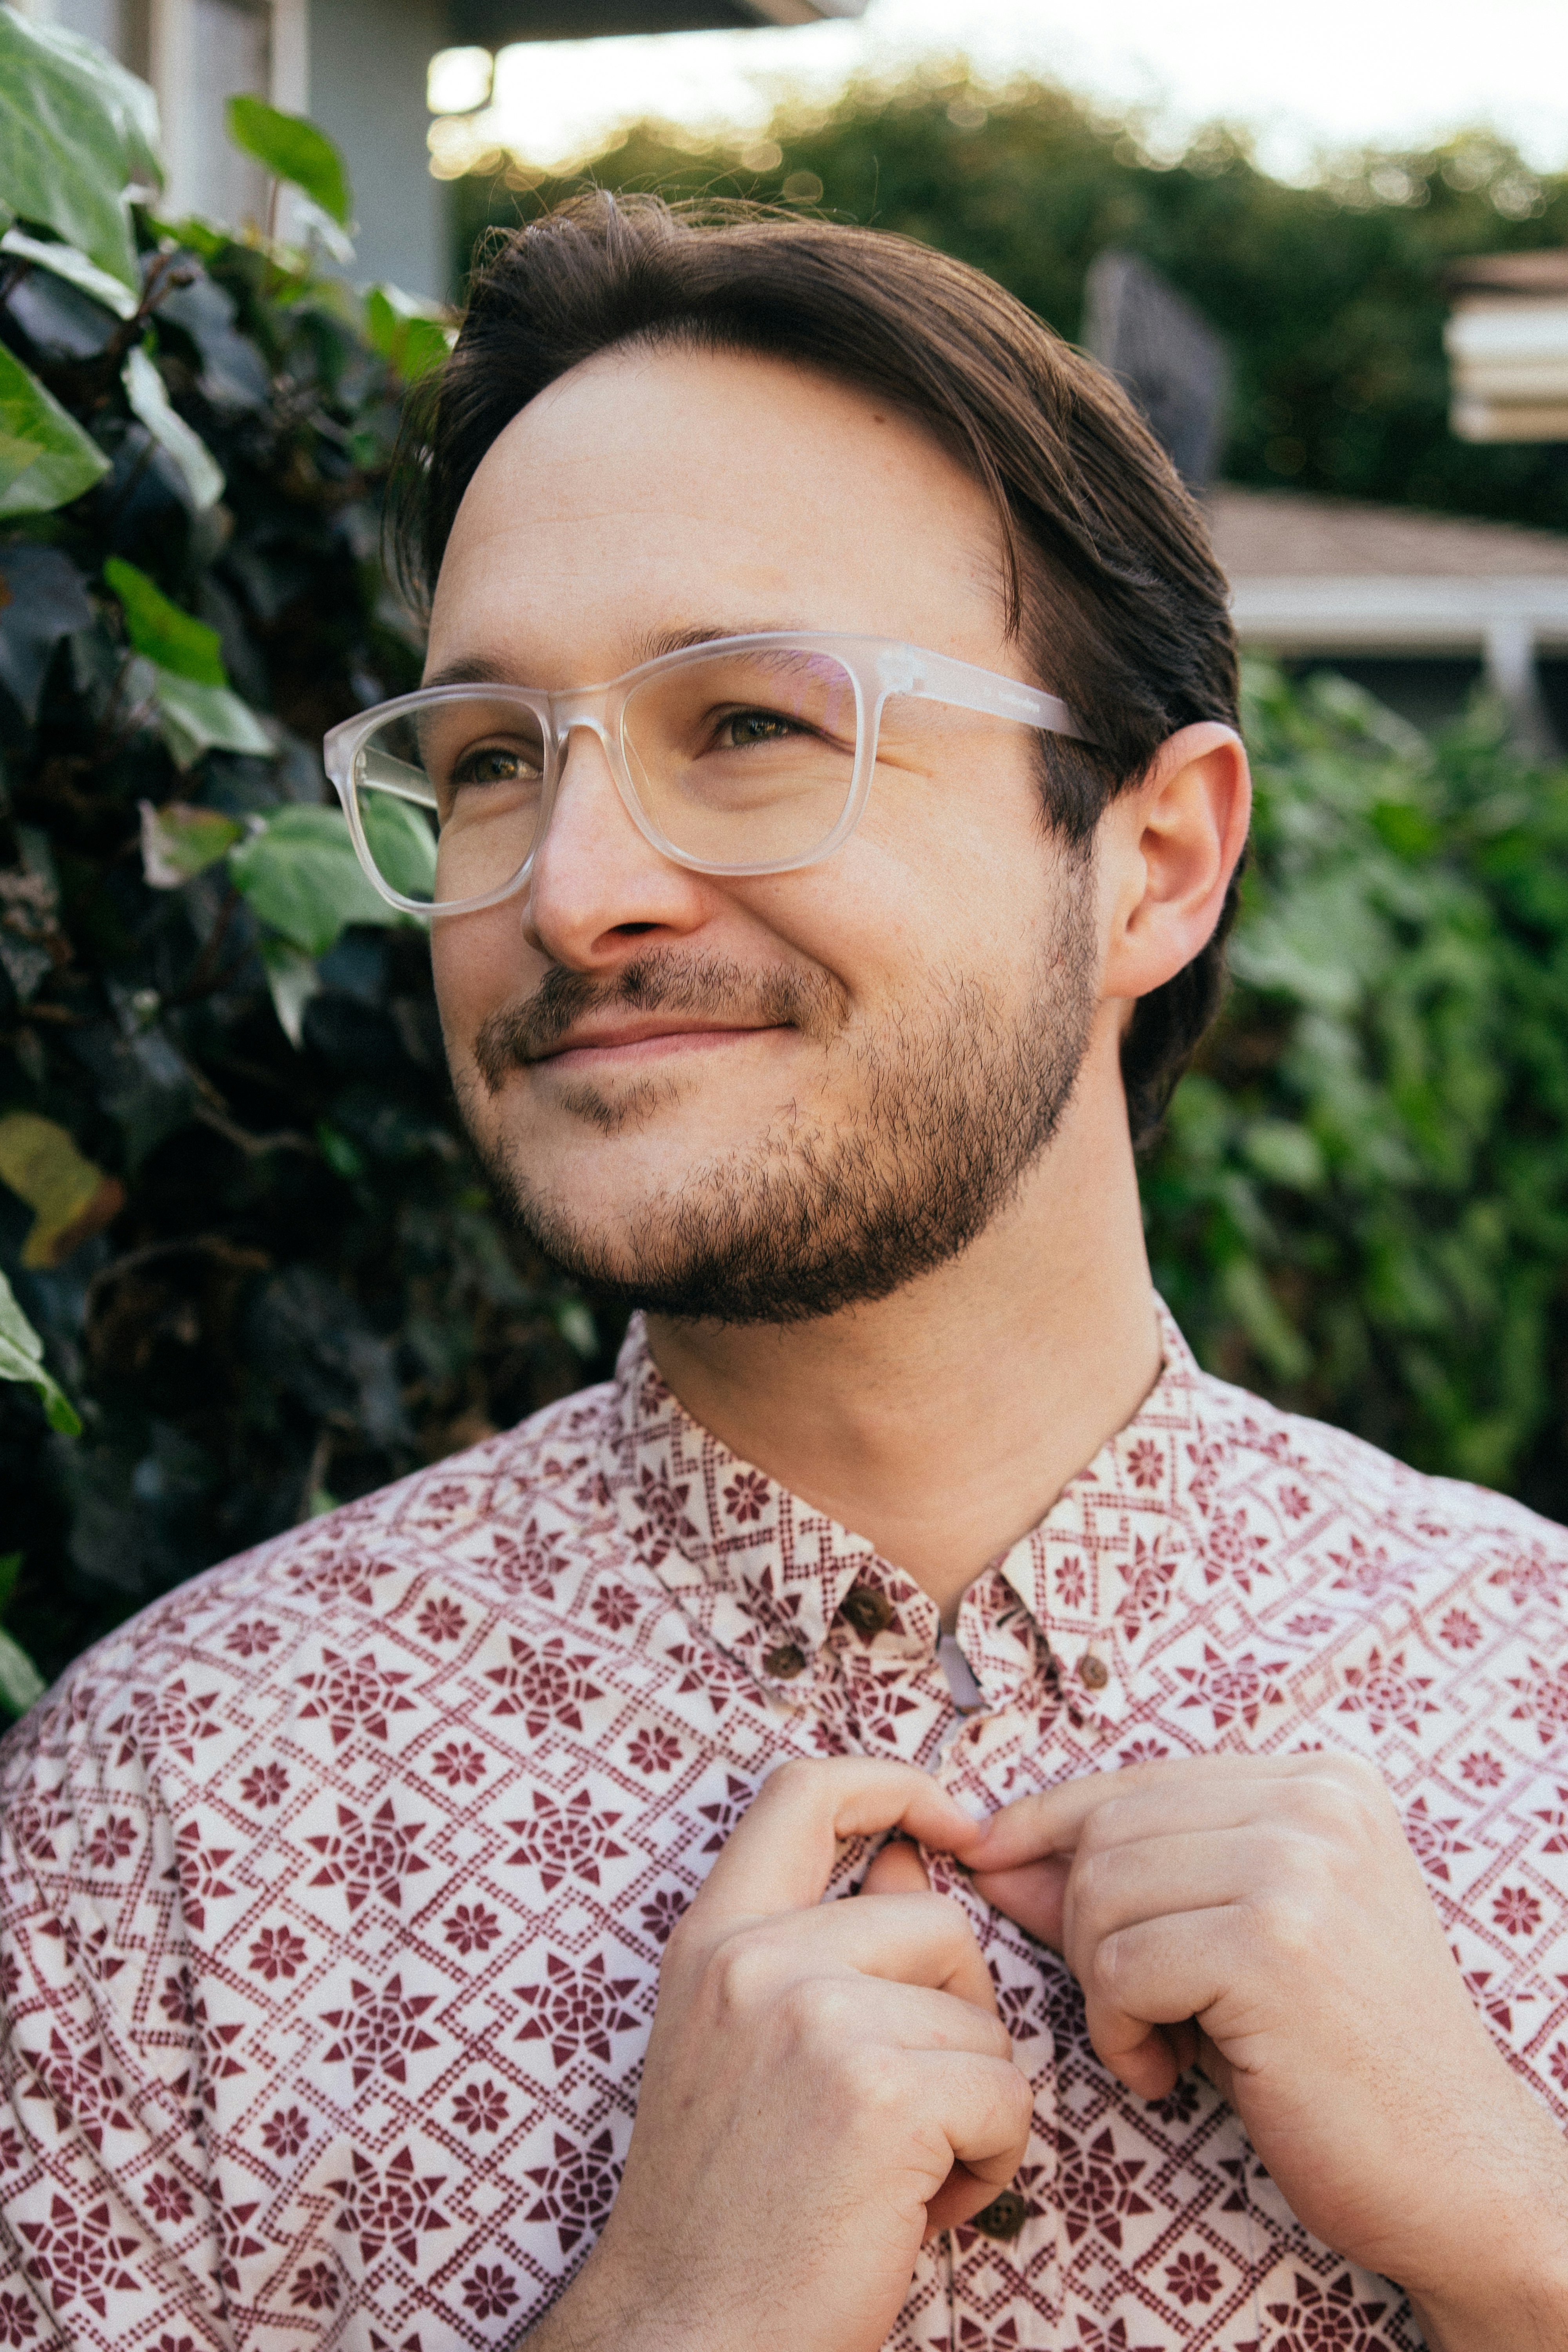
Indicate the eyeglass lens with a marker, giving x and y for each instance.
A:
(737, 758)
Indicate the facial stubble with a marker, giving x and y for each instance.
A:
(949, 1104)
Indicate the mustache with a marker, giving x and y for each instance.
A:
(518, 1035)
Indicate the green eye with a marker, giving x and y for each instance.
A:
(493, 764)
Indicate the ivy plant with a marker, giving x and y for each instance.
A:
(240, 1225)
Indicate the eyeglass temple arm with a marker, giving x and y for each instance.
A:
(937, 678)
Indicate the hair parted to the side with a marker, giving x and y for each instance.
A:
(1108, 574)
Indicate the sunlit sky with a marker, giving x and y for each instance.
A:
(1310, 76)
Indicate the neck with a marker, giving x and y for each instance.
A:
(943, 1422)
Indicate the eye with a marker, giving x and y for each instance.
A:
(494, 764)
(746, 728)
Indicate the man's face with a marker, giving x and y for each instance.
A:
(770, 1097)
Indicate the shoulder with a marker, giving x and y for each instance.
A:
(1322, 1483)
(156, 1701)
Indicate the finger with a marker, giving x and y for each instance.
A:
(897, 1870)
(1034, 1895)
(982, 2107)
(914, 2016)
(1214, 1789)
(1160, 1972)
(780, 1856)
(922, 1939)
(1110, 1887)
(1216, 2065)
(958, 2201)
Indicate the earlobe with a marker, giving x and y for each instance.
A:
(1175, 840)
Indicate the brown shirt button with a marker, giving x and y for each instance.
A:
(1092, 1672)
(785, 1661)
(1002, 2217)
(868, 1610)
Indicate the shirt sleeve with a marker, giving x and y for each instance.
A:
(109, 2222)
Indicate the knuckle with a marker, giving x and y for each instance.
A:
(868, 2080)
(1103, 1966)
(1093, 1879)
(740, 1973)
(1345, 1805)
(798, 1776)
(813, 2010)
(1000, 2040)
(1018, 2095)
(1287, 1926)
(1104, 1828)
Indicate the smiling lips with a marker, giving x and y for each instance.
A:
(634, 1039)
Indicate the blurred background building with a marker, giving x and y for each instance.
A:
(1420, 609)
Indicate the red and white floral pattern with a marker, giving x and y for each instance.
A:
(333, 1888)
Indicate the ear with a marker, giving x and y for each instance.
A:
(1168, 848)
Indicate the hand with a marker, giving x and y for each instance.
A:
(825, 2084)
(1264, 1918)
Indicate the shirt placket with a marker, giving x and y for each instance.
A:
(1008, 2258)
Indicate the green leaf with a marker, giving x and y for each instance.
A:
(1244, 1289)
(22, 1358)
(71, 1196)
(1409, 831)
(293, 149)
(402, 844)
(410, 335)
(291, 981)
(179, 841)
(46, 458)
(76, 131)
(167, 634)
(194, 718)
(65, 261)
(576, 1326)
(21, 1683)
(1284, 1153)
(199, 469)
(343, 1157)
(301, 877)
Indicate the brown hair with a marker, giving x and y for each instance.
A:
(1108, 573)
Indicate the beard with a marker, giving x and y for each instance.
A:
(952, 1102)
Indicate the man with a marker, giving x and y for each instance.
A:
(810, 984)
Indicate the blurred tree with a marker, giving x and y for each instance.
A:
(1330, 297)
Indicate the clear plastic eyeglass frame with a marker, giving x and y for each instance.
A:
(879, 667)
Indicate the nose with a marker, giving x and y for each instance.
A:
(598, 888)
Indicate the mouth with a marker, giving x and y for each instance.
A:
(628, 1043)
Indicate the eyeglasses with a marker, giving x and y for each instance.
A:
(742, 755)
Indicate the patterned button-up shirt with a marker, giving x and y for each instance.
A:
(334, 1886)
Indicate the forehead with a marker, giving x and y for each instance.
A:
(654, 489)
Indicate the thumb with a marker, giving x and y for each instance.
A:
(897, 1870)
(1033, 1893)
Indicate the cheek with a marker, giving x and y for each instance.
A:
(479, 963)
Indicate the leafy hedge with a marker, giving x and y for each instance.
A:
(234, 1203)
(1361, 1201)
(243, 1231)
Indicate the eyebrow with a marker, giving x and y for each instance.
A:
(478, 670)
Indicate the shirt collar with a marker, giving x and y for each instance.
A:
(1096, 1575)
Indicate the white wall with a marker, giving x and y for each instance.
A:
(367, 66)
